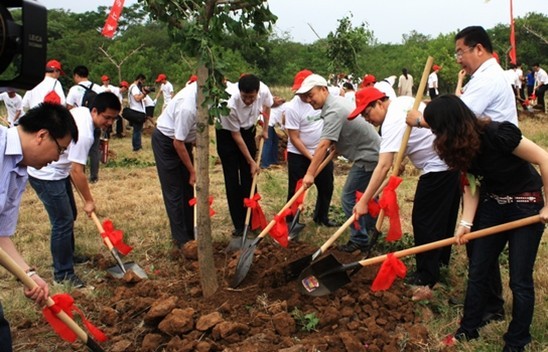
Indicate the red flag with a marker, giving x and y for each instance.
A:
(389, 202)
(258, 219)
(116, 237)
(112, 20)
(279, 231)
(512, 54)
(64, 302)
(388, 271)
(192, 202)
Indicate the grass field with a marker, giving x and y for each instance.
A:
(129, 194)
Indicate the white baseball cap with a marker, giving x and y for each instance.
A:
(310, 82)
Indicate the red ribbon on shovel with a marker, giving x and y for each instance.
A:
(297, 203)
(258, 219)
(388, 271)
(389, 203)
(116, 237)
(280, 232)
(64, 302)
(192, 202)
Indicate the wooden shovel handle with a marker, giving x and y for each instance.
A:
(407, 133)
(449, 241)
(7, 262)
(96, 220)
(254, 182)
(336, 235)
(297, 194)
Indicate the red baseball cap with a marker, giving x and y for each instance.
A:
(193, 78)
(161, 77)
(364, 97)
(124, 84)
(368, 79)
(55, 65)
(436, 68)
(299, 78)
(105, 78)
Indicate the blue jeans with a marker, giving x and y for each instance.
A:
(59, 202)
(136, 137)
(357, 180)
(5, 333)
(270, 149)
(523, 245)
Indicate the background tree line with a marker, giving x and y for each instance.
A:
(150, 47)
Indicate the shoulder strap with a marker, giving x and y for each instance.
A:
(86, 88)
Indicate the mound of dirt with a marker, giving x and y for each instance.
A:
(167, 312)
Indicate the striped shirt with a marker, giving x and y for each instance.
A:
(13, 179)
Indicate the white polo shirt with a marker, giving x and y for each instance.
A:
(178, 120)
(76, 152)
(36, 96)
(420, 149)
(76, 92)
(167, 90)
(489, 94)
(302, 117)
(13, 105)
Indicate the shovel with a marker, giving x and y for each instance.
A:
(237, 243)
(246, 256)
(328, 274)
(294, 269)
(7, 262)
(295, 228)
(120, 269)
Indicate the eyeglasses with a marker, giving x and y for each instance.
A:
(108, 118)
(367, 110)
(458, 54)
(60, 150)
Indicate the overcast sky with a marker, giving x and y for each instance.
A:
(387, 19)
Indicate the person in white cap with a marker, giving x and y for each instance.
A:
(355, 139)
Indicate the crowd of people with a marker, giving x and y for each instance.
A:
(471, 135)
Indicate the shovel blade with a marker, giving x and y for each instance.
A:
(295, 268)
(117, 273)
(314, 281)
(236, 244)
(244, 263)
(295, 230)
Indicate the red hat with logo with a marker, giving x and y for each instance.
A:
(299, 78)
(368, 79)
(436, 68)
(105, 78)
(364, 97)
(161, 77)
(124, 84)
(193, 78)
(54, 65)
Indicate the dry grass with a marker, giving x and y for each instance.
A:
(129, 193)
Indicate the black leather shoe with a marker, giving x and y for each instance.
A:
(508, 348)
(350, 247)
(490, 317)
(328, 223)
(237, 233)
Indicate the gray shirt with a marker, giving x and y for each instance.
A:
(357, 140)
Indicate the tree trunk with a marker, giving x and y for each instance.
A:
(208, 274)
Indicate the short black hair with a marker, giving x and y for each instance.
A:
(475, 35)
(249, 83)
(106, 100)
(81, 71)
(140, 76)
(54, 118)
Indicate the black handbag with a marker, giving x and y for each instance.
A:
(133, 116)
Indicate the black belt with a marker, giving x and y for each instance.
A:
(525, 197)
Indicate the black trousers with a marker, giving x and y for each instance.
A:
(236, 171)
(176, 190)
(432, 93)
(434, 216)
(5, 333)
(95, 155)
(297, 165)
(540, 94)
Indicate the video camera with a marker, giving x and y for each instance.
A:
(23, 45)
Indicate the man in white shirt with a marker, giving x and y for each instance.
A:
(433, 82)
(172, 143)
(14, 105)
(137, 93)
(53, 186)
(541, 84)
(75, 98)
(437, 196)
(166, 90)
(50, 89)
(236, 145)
